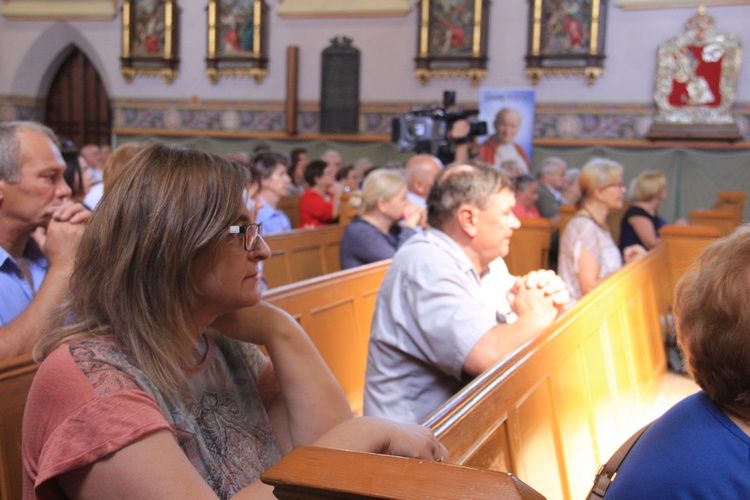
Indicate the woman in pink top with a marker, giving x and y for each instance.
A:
(155, 387)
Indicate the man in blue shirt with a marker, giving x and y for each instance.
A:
(274, 183)
(39, 233)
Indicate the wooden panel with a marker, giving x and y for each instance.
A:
(290, 206)
(724, 221)
(16, 375)
(302, 254)
(529, 247)
(533, 442)
(684, 245)
(336, 311)
(572, 410)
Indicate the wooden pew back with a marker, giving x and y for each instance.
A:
(301, 254)
(683, 245)
(723, 220)
(731, 201)
(529, 247)
(336, 311)
(566, 213)
(560, 405)
(16, 375)
(290, 206)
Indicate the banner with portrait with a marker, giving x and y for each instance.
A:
(509, 114)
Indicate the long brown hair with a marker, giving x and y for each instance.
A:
(132, 280)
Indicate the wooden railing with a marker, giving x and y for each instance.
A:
(302, 254)
(731, 201)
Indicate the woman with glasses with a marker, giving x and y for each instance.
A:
(588, 253)
(155, 387)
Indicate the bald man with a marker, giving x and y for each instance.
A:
(421, 171)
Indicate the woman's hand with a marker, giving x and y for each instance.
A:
(415, 216)
(377, 435)
(633, 253)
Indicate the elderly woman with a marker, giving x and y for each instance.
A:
(588, 254)
(155, 388)
(699, 448)
(641, 222)
(375, 234)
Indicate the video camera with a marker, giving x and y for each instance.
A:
(424, 130)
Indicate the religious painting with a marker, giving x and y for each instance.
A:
(696, 83)
(149, 39)
(452, 39)
(509, 114)
(566, 37)
(237, 39)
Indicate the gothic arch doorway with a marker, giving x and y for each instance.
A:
(77, 105)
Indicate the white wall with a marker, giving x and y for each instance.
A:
(388, 46)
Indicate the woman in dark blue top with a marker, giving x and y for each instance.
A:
(375, 234)
(641, 222)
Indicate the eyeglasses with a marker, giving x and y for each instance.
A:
(252, 232)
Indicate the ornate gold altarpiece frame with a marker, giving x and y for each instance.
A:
(149, 39)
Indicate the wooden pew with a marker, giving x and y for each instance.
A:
(16, 375)
(683, 245)
(723, 220)
(336, 311)
(731, 201)
(302, 254)
(555, 409)
(290, 206)
(529, 247)
(319, 473)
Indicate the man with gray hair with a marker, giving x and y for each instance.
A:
(437, 324)
(39, 233)
(552, 182)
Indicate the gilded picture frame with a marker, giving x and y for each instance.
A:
(452, 39)
(149, 39)
(566, 38)
(237, 39)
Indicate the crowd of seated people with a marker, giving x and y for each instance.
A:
(147, 331)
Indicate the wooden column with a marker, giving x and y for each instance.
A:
(292, 84)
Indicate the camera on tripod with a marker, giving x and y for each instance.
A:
(424, 130)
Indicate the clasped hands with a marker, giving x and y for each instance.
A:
(538, 290)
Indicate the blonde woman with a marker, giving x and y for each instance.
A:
(641, 222)
(375, 234)
(588, 253)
